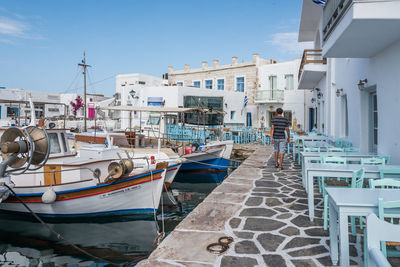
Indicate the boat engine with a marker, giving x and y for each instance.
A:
(21, 149)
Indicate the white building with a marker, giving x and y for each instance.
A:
(278, 88)
(356, 94)
(142, 95)
(234, 77)
(13, 110)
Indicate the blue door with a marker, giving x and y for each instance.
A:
(248, 119)
(311, 126)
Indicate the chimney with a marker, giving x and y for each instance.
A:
(255, 57)
(216, 62)
(234, 60)
(204, 65)
(170, 69)
(187, 67)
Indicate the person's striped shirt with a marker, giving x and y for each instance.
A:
(280, 123)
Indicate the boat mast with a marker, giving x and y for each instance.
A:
(84, 66)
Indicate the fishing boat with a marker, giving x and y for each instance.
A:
(213, 156)
(77, 186)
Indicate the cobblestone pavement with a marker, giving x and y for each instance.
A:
(273, 228)
(265, 211)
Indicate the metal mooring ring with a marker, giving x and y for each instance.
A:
(217, 248)
(225, 240)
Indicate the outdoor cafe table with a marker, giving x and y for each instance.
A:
(308, 157)
(345, 202)
(320, 144)
(311, 137)
(313, 170)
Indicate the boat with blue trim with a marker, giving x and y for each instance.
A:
(136, 193)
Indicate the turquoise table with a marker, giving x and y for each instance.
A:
(303, 138)
(313, 157)
(345, 202)
(313, 170)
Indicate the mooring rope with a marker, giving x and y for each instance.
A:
(58, 235)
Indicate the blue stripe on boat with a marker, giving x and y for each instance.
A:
(216, 163)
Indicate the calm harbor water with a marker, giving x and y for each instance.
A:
(25, 242)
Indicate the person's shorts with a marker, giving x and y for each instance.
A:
(280, 146)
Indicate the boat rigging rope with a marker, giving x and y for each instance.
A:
(161, 235)
(58, 235)
(152, 192)
(170, 197)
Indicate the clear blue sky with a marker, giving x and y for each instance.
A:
(42, 41)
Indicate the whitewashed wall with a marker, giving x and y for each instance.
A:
(294, 100)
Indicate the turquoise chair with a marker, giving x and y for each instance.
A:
(373, 236)
(351, 149)
(333, 159)
(290, 145)
(335, 149)
(311, 149)
(388, 159)
(373, 161)
(324, 182)
(357, 181)
(386, 184)
(347, 144)
(339, 143)
(389, 173)
(384, 212)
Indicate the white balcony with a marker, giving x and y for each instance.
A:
(359, 28)
(269, 96)
(312, 69)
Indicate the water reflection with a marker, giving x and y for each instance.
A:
(25, 242)
(29, 243)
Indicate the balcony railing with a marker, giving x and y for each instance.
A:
(269, 95)
(333, 12)
(311, 56)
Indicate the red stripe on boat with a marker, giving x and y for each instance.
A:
(88, 195)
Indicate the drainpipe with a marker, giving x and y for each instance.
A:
(304, 116)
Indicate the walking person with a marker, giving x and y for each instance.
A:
(279, 125)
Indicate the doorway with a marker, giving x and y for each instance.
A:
(373, 125)
(270, 115)
(311, 121)
(248, 121)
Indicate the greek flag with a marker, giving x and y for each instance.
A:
(245, 101)
(320, 2)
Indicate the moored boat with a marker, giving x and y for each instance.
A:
(90, 184)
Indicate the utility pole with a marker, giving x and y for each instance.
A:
(84, 66)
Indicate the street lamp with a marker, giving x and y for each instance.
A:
(361, 84)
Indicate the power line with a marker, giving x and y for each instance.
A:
(73, 80)
(96, 82)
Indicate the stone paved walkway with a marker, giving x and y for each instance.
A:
(265, 211)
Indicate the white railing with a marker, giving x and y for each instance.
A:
(269, 95)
